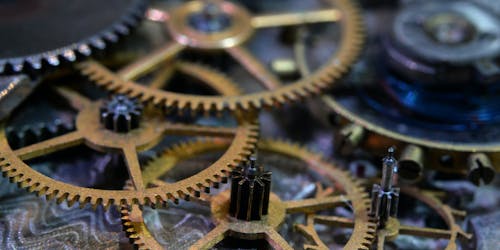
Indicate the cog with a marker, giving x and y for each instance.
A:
(152, 129)
(184, 26)
(363, 228)
(121, 114)
(62, 33)
(448, 214)
(35, 133)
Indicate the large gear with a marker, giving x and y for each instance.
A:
(38, 34)
(230, 38)
(430, 127)
(90, 132)
(361, 224)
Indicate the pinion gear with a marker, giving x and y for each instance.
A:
(121, 114)
(153, 127)
(363, 227)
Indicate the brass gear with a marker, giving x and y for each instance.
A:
(363, 227)
(448, 214)
(152, 129)
(230, 40)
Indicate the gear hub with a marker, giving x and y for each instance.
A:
(121, 114)
(250, 191)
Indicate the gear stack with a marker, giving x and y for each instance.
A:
(250, 190)
(385, 197)
(121, 114)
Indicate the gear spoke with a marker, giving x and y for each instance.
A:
(255, 67)
(149, 62)
(185, 129)
(49, 146)
(297, 18)
(334, 221)
(74, 99)
(161, 79)
(133, 166)
(380, 240)
(425, 232)
(276, 240)
(212, 238)
(314, 204)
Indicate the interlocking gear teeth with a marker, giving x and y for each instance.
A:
(71, 51)
(364, 228)
(324, 78)
(243, 143)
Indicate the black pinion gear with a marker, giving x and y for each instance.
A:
(121, 114)
(39, 34)
(250, 191)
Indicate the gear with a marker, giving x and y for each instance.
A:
(215, 34)
(430, 144)
(253, 182)
(35, 133)
(393, 228)
(121, 114)
(39, 34)
(152, 129)
(363, 227)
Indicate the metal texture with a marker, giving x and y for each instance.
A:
(266, 228)
(153, 128)
(231, 40)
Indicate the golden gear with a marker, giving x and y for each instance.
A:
(152, 129)
(448, 214)
(475, 160)
(363, 228)
(230, 39)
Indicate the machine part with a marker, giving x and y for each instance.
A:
(348, 138)
(393, 228)
(385, 197)
(411, 163)
(455, 32)
(480, 169)
(13, 90)
(121, 114)
(184, 27)
(152, 129)
(36, 133)
(250, 190)
(351, 192)
(59, 32)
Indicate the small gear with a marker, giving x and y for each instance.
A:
(193, 26)
(361, 224)
(393, 228)
(38, 34)
(253, 182)
(152, 128)
(30, 134)
(121, 114)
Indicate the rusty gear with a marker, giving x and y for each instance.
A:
(230, 40)
(363, 228)
(90, 132)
